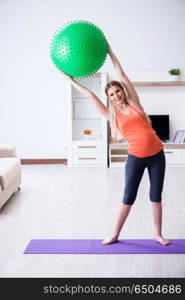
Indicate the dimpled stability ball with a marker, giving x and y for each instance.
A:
(79, 49)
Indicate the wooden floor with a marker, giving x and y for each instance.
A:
(57, 202)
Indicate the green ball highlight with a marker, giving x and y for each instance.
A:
(79, 49)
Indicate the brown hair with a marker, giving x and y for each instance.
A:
(115, 133)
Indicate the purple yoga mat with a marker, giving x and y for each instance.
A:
(87, 246)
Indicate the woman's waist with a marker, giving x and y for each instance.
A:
(145, 148)
(143, 141)
(143, 137)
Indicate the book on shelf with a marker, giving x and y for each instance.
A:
(175, 137)
(183, 137)
(179, 136)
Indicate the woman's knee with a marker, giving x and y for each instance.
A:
(156, 199)
(128, 201)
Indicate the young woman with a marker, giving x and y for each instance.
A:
(145, 150)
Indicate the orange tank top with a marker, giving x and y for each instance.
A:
(142, 139)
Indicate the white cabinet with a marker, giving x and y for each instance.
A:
(175, 156)
(88, 153)
(174, 153)
(83, 115)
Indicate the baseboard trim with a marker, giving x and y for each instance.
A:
(45, 161)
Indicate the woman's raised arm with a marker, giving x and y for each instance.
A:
(89, 94)
(132, 94)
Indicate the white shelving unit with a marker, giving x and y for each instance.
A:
(174, 153)
(83, 115)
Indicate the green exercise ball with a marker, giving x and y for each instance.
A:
(79, 49)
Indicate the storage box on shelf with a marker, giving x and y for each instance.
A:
(174, 153)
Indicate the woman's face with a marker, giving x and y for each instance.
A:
(116, 95)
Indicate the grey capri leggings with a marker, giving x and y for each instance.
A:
(134, 170)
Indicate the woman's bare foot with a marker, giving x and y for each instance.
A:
(110, 240)
(162, 241)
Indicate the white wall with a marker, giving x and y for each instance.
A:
(147, 36)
